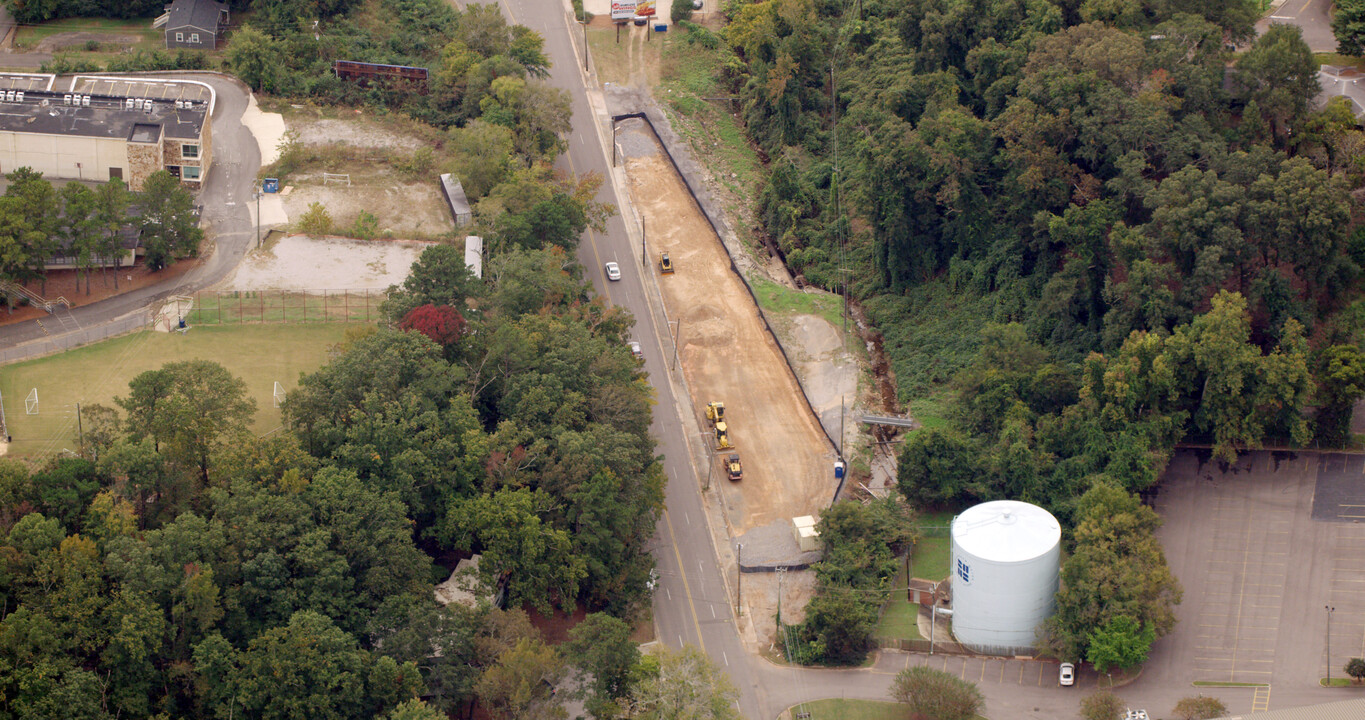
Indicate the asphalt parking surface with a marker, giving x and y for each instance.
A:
(1340, 493)
(1262, 548)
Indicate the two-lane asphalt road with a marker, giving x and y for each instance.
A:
(691, 605)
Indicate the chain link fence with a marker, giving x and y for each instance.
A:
(233, 307)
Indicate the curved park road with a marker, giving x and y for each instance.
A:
(225, 196)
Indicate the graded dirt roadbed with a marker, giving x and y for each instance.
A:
(727, 355)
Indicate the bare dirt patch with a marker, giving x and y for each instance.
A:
(728, 356)
(358, 131)
(760, 595)
(301, 263)
(359, 147)
(404, 209)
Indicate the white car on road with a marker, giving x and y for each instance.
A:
(613, 271)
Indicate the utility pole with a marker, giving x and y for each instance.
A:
(677, 330)
(644, 261)
(258, 218)
(1329, 610)
(80, 432)
(584, 22)
(739, 578)
(933, 618)
(780, 573)
(711, 463)
(841, 426)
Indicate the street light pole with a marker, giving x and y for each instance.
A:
(258, 218)
(644, 261)
(1329, 610)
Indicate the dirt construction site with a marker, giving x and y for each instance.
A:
(727, 355)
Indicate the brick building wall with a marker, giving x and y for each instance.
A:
(143, 160)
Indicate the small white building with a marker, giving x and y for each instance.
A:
(473, 255)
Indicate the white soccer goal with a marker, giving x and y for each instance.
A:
(31, 402)
(279, 394)
(336, 178)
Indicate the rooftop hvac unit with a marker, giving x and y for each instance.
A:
(138, 103)
(127, 103)
(19, 96)
(9, 96)
(148, 107)
(85, 101)
(66, 99)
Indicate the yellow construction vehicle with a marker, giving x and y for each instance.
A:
(715, 412)
(722, 436)
(665, 264)
(733, 468)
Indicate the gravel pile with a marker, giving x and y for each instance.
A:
(771, 547)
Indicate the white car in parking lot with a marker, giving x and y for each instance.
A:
(1067, 677)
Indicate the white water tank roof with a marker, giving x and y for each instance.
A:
(1006, 531)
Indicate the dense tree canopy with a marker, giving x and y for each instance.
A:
(180, 567)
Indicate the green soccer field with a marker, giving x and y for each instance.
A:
(261, 355)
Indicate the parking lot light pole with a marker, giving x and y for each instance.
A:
(1329, 610)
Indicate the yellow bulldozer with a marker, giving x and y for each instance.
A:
(722, 437)
(715, 413)
(732, 467)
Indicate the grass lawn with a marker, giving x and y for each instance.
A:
(785, 301)
(934, 549)
(231, 307)
(259, 354)
(851, 710)
(611, 58)
(28, 36)
(901, 617)
(929, 560)
(1339, 60)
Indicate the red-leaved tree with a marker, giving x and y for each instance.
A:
(442, 323)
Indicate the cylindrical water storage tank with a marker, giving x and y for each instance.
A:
(1006, 559)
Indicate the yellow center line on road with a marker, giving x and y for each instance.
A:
(592, 241)
(687, 590)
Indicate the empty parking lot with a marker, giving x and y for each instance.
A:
(1262, 548)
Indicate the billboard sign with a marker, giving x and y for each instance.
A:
(622, 9)
(644, 8)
